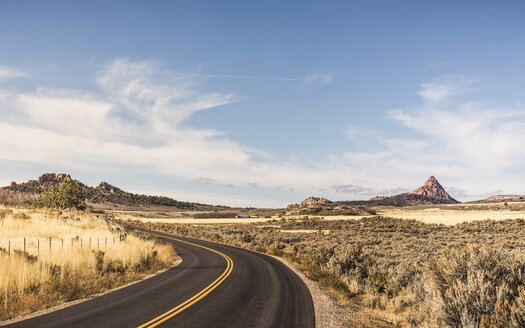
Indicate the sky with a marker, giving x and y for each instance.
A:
(265, 103)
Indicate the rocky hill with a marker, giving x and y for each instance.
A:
(310, 201)
(321, 206)
(433, 189)
(431, 192)
(103, 194)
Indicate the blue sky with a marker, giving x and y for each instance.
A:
(263, 104)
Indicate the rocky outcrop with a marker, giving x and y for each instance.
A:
(314, 201)
(377, 198)
(53, 177)
(433, 189)
(104, 186)
(310, 201)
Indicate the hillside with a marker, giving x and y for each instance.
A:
(400, 200)
(103, 194)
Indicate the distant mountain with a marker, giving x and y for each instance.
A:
(501, 197)
(431, 192)
(104, 193)
(433, 189)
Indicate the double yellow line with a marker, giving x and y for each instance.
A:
(195, 298)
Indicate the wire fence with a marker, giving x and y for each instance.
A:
(39, 245)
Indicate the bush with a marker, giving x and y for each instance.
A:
(474, 287)
(67, 194)
(359, 270)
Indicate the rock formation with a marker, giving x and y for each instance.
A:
(54, 178)
(433, 189)
(107, 187)
(310, 201)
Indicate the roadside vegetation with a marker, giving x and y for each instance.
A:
(395, 272)
(65, 258)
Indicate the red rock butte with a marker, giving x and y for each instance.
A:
(433, 189)
(310, 201)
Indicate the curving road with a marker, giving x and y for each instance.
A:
(214, 286)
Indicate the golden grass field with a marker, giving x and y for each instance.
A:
(457, 213)
(42, 276)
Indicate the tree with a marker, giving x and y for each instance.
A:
(67, 194)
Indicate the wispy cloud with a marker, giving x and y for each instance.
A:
(244, 77)
(354, 132)
(472, 135)
(10, 73)
(446, 86)
(318, 78)
(353, 190)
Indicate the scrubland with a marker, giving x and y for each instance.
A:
(391, 272)
(451, 214)
(72, 268)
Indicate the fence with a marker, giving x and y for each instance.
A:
(38, 245)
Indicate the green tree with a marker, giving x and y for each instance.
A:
(67, 194)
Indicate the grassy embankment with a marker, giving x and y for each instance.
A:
(397, 273)
(42, 277)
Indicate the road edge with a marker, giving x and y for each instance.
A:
(328, 313)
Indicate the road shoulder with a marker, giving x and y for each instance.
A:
(328, 314)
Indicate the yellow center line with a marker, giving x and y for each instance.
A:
(197, 297)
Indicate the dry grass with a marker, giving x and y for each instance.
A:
(40, 278)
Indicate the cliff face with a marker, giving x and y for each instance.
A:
(433, 189)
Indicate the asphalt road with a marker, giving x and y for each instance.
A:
(215, 286)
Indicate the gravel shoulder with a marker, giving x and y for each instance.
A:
(328, 313)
